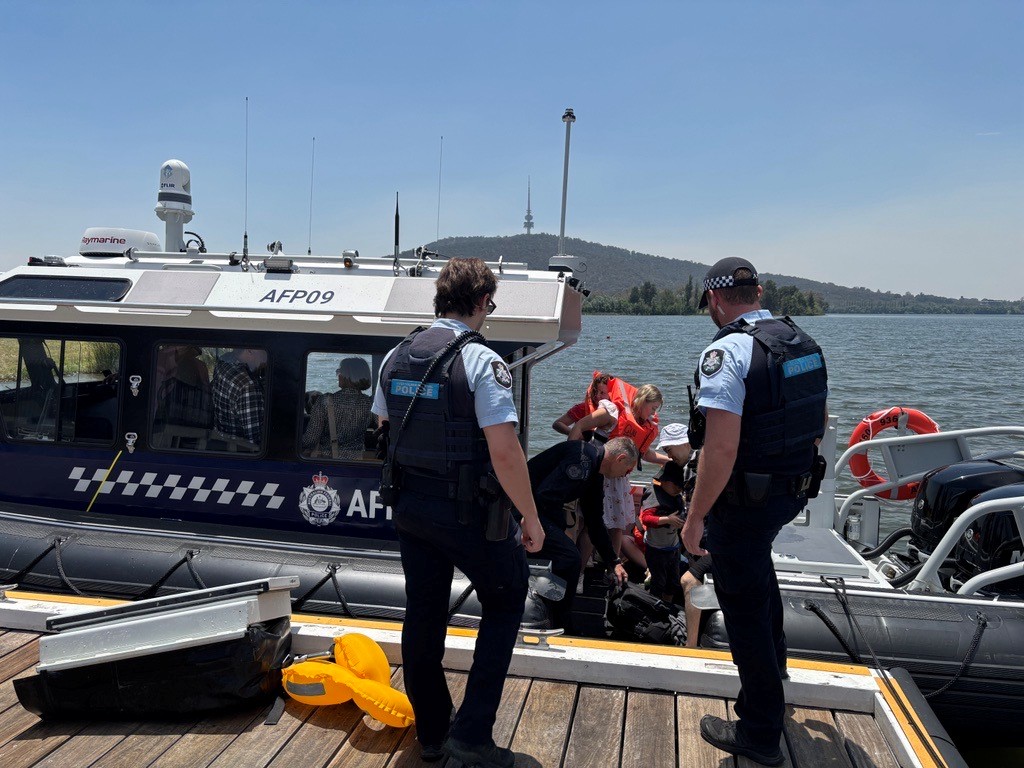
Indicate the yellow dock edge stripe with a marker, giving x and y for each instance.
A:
(572, 642)
(913, 734)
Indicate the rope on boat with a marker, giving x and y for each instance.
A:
(58, 543)
(814, 608)
(838, 585)
(153, 588)
(975, 642)
(20, 575)
(459, 601)
(332, 575)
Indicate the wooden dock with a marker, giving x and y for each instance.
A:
(548, 723)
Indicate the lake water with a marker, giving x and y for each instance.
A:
(962, 370)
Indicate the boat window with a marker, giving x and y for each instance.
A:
(210, 399)
(59, 390)
(336, 408)
(64, 288)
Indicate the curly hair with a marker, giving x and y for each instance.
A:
(461, 285)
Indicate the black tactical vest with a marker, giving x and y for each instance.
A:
(441, 437)
(784, 407)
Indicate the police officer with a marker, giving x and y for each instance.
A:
(441, 453)
(571, 471)
(762, 390)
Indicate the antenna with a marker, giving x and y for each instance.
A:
(312, 162)
(568, 118)
(396, 265)
(245, 235)
(437, 234)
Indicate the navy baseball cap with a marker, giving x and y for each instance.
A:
(723, 275)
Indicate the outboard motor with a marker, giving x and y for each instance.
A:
(992, 542)
(947, 492)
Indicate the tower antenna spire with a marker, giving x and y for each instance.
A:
(245, 227)
(312, 165)
(440, 159)
(528, 223)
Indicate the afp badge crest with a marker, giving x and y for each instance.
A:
(712, 362)
(319, 503)
(502, 374)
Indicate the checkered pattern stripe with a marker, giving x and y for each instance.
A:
(712, 283)
(216, 490)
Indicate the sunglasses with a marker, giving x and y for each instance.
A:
(491, 306)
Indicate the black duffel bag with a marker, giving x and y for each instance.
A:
(637, 615)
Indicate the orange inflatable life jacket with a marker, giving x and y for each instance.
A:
(621, 393)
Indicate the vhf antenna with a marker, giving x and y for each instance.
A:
(396, 265)
(312, 162)
(440, 159)
(245, 235)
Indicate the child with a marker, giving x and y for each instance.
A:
(662, 513)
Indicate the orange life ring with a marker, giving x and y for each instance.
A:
(917, 422)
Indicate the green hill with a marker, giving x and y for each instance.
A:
(614, 272)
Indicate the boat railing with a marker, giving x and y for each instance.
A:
(927, 579)
(908, 458)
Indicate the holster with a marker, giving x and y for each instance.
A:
(818, 469)
(390, 479)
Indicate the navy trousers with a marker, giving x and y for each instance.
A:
(433, 543)
(566, 564)
(740, 539)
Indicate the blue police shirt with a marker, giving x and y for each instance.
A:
(724, 365)
(489, 380)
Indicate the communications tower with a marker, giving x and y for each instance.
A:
(528, 224)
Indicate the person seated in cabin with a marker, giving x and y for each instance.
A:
(238, 398)
(662, 512)
(596, 392)
(184, 397)
(338, 420)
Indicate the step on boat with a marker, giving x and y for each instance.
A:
(567, 701)
(128, 471)
(942, 598)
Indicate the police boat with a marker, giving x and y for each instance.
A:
(177, 418)
(942, 598)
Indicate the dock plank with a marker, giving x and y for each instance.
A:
(145, 744)
(257, 746)
(649, 740)
(544, 724)
(36, 741)
(88, 745)
(596, 735)
(407, 754)
(789, 761)
(814, 739)
(864, 742)
(19, 663)
(694, 752)
(513, 698)
(372, 743)
(319, 737)
(12, 640)
(203, 743)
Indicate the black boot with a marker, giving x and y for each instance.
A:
(722, 734)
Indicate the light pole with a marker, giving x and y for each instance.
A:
(568, 118)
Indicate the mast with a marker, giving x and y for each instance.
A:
(568, 118)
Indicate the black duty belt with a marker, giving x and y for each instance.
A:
(739, 489)
(429, 486)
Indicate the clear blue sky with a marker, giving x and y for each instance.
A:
(863, 143)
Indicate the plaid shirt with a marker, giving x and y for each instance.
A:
(351, 417)
(237, 401)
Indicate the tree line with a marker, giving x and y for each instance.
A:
(647, 299)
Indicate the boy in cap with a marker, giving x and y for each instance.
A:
(662, 512)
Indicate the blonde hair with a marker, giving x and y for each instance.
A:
(648, 393)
